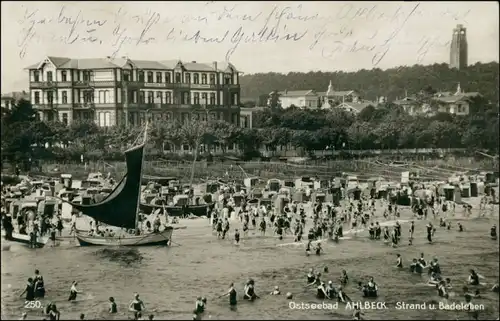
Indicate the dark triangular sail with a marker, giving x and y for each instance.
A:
(119, 208)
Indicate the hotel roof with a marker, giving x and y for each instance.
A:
(126, 63)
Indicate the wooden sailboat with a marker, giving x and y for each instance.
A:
(121, 207)
(172, 210)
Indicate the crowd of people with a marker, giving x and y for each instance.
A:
(320, 221)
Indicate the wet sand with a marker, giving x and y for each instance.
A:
(197, 264)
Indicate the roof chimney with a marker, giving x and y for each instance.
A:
(194, 61)
(214, 65)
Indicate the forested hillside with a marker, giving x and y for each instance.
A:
(480, 77)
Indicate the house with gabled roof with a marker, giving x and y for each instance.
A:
(313, 99)
(298, 98)
(119, 90)
(9, 99)
(456, 103)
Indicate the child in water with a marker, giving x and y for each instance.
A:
(112, 305)
(73, 291)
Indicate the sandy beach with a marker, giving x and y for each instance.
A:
(197, 264)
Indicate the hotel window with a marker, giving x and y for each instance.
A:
(65, 118)
(196, 78)
(37, 97)
(227, 79)
(86, 75)
(178, 77)
(212, 79)
(65, 97)
(150, 76)
(185, 98)
(168, 97)
(141, 76)
(158, 77)
(204, 79)
(50, 97)
(142, 97)
(159, 97)
(196, 98)
(167, 77)
(204, 98)
(36, 75)
(49, 75)
(126, 76)
(150, 97)
(64, 76)
(88, 96)
(212, 98)
(188, 78)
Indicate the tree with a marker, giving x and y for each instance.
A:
(270, 137)
(20, 130)
(22, 111)
(249, 140)
(274, 100)
(304, 139)
(225, 134)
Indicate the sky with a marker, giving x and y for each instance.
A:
(254, 36)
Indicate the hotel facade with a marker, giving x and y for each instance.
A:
(119, 91)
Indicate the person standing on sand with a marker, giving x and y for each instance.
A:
(429, 228)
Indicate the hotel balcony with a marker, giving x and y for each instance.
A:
(88, 105)
(151, 85)
(43, 84)
(231, 86)
(45, 106)
(71, 84)
(164, 106)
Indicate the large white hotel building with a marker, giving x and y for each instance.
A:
(118, 91)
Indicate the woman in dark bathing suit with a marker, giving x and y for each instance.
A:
(250, 291)
(310, 276)
(231, 293)
(29, 290)
(39, 285)
(136, 305)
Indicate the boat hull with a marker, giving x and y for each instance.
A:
(196, 210)
(150, 239)
(25, 239)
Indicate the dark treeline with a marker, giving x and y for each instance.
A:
(392, 83)
(385, 127)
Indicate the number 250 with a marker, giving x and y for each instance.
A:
(32, 305)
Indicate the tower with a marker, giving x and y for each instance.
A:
(329, 92)
(458, 48)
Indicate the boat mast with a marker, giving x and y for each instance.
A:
(144, 141)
